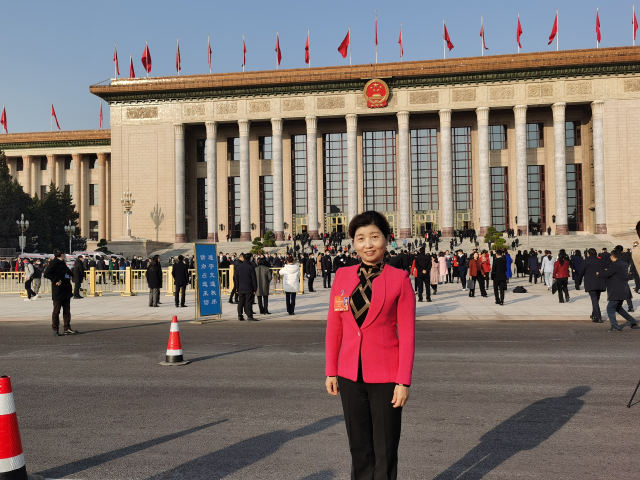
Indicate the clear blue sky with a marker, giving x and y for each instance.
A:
(53, 51)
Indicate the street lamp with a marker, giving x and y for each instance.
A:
(127, 202)
(70, 230)
(24, 225)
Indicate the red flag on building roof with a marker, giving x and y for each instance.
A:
(244, 53)
(115, 58)
(178, 63)
(146, 59)
(400, 42)
(100, 114)
(307, 56)
(447, 38)
(554, 30)
(3, 120)
(278, 51)
(599, 36)
(376, 28)
(344, 46)
(482, 35)
(635, 24)
(132, 73)
(53, 114)
(209, 52)
(519, 32)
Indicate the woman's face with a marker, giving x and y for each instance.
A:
(475, 256)
(370, 244)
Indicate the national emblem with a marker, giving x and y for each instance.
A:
(376, 92)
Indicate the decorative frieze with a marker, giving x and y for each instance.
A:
(424, 98)
(578, 88)
(540, 90)
(464, 95)
(330, 103)
(140, 113)
(260, 106)
(227, 108)
(501, 93)
(293, 104)
(193, 110)
(632, 85)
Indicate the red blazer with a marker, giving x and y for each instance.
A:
(387, 356)
(561, 271)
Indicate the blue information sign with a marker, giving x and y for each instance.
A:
(208, 290)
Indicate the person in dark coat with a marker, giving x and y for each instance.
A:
(499, 277)
(575, 264)
(154, 281)
(60, 277)
(247, 282)
(533, 266)
(519, 264)
(606, 256)
(618, 291)
(594, 282)
(394, 260)
(263, 277)
(234, 291)
(311, 270)
(223, 266)
(423, 275)
(327, 270)
(405, 260)
(180, 274)
(78, 277)
(462, 268)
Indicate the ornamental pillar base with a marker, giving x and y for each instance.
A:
(483, 231)
(313, 235)
(601, 229)
(447, 231)
(405, 233)
(212, 238)
(245, 236)
(562, 229)
(279, 236)
(181, 238)
(523, 230)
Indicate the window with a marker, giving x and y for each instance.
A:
(265, 148)
(93, 230)
(335, 175)
(201, 151)
(68, 188)
(19, 164)
(424, 169)
(379, 158)
(201, 207)
(93, 194)
(572, 134)
(536, 194)
(500, 198)
(266, 204)
(497, 137)
(233, 148)
(461, 157)
(43, 191)
(68, 162)
(298, 174)
(93, 162)
(233, 224)
(574, 197)
(43, 163)
(535, 135)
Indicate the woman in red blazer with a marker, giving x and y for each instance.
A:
(561, 274)
(370, 346)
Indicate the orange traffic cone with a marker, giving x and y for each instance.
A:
(12, 465)
(174, 348)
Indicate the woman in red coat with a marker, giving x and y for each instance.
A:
(561, 274)
(370, 346)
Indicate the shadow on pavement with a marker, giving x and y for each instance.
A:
(86, 463)
(323, 475)
(209, 357)
(224, 462)
(525, 430)
(164, 322)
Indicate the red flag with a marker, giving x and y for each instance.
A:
(115, 59)
(209, 52)
(447, 38)
(598, 26)
(3, 120)
(132, 73)
(344, 46)
(635, 25)
(376, 30)
(178, 64)
(278, 51)
(100, 115)
(53, 113)
(400, 42)
(482, 35)
(307, 57)
(554, 30)
(519, 32)
(244, 52)
(146, 59)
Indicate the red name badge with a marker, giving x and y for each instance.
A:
(341, 304)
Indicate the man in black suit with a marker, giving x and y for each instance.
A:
(180, 274)
(327, 270)
(352, 260)
(234, 291)
(618, 291)
(423, 266)
(311, 269)
(101, 266)
(394, 260)
(247, 282)
(499, 276)
(594, 282)
(606, 256)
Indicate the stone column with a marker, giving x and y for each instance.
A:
(597, 109)
(404, 176)
(26, 174)
(77, 180)
(181, 226)
(446, 174)
(51, 169)
(520, 112)
(35, 169)
(278, 179)
(211, 144)
(560, 167)
(312, 176)
(352, 165)
(486, 217)
(102, 196)
(245, 182)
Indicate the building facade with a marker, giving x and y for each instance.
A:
(526, 141)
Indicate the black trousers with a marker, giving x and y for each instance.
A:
(263, 303)
(373, 429)
(480, 282)
(76, 289)
(245, 300)
(179, 288)
(463, 279)
(534, 276)
(65, 305)
(326, 279)
(563, 288)
(311, 279)
(234, 293)
(423, 285)
(27, 287)
(499, 286)
(596, 313)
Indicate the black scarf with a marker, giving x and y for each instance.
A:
(361, 296)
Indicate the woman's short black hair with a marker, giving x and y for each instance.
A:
(369, 218)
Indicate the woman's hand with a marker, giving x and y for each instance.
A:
(400, 396)
(332, 385)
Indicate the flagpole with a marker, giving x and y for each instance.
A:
(481, 39)
(130, 63)
(243, 53)
(633, 25)
(51, 115)
(376, 36)
(115, 68)
(518, 30)
(597, 42)
(557, 33)
(349, 46)
(444, 45)
(100, 103)
(401, 46)
(177, 50)
(278, 44)
(208, 50)
(146, 46)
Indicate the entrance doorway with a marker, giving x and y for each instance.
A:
(336, 223)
